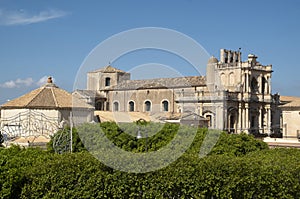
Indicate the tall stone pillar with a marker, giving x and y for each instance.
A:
(259, 83)
(229, 55)
(200, 108)
(269, 85)
(269, 120)
(234, 56)
(247, 82)
(240, 117)
(222, 55)
(246, 123)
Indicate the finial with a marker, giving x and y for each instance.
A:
(49, 80)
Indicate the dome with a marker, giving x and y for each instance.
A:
(212, 60)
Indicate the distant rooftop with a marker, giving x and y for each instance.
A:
(162, 82)
(290, 101)
(108, 69)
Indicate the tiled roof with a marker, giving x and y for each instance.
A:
(122, 116)
(48, 96)
(162, 82)
(290, 101)
(89, 93)
(108, 69)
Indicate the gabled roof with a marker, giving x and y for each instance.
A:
(108, 69)
(192, 116)
(48, 96)
(290, 101)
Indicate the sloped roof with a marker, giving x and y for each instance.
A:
(31, 139)
(89, 93)
(192, 116)
(108, 69)
(162, 82)
(48, 96)
(290, 101)
(122, 116)
(212, 60)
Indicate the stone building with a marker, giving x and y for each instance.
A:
(290, 116)
(234, 96)
(37, 115)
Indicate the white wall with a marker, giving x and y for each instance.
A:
(291, 122)
(29, 122)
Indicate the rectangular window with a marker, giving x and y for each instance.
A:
(107, 81)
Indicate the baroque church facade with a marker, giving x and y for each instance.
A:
(234, 96)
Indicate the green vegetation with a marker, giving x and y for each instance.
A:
(238, 167)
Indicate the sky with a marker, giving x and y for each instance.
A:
(40, 38)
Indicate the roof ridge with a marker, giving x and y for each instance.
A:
(69, 94)
(54, 98)
(42, 88)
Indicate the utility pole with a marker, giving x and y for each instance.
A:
(71, 130)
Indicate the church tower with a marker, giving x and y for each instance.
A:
(247, 91)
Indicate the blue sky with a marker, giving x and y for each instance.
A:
(42, 38)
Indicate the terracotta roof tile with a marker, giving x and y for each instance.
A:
(290, 101)
(162, 82)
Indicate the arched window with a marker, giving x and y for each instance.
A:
(107, 81)
(131, 106)
(179, 109)
(99, 106)
(232, 119)
(165, 105)
(147, 106)
(116, 106)
(264, 85)
(231, 79)
(210, 119)
(254, 85)
(223, 79)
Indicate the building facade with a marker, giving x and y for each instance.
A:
(290, 116)
(234, 96)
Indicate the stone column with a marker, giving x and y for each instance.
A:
(260, 125)
(247, 83)
(269, 85)
(222, 53)
(240, 122)
(234, 57)
(269, 120)
(201, 108)
(246, 117)
(229, 55)
(247, 121)
(259, 83)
